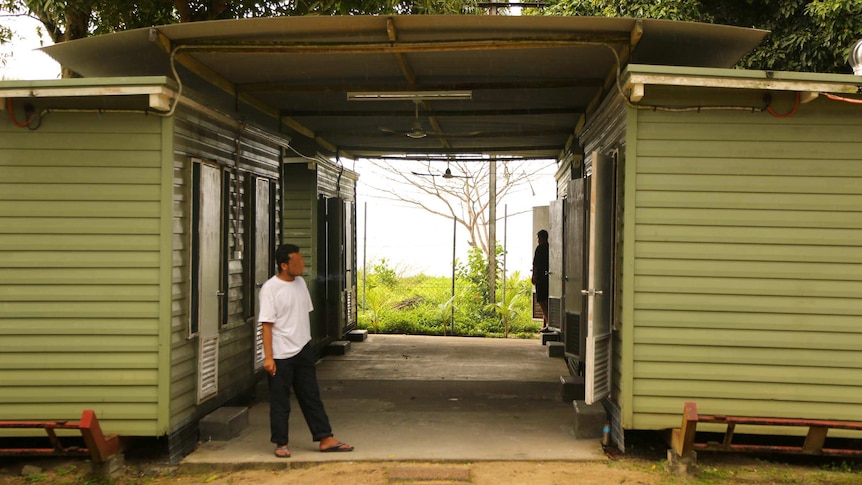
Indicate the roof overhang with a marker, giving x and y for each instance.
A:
(530, 79)
(636, 78)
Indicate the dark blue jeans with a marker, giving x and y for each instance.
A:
(299, 373)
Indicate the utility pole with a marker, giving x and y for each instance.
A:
(492, 212)
(492, 230)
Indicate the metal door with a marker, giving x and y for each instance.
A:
(350, 264)
(574, 336)
(555, 264)
(598, 291)
(334, 267)
(262, 258)
(209, 279)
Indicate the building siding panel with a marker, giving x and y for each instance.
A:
(747, 264)
(79, 215)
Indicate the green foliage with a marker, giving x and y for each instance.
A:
(382, 275)
(807, 35)
(424, 305)
(75, 19)
(654, 9)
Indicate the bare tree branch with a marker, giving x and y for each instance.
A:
(463, 199)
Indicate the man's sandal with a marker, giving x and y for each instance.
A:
(340, 447)
(282, 452)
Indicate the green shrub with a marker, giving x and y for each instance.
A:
(424, 305)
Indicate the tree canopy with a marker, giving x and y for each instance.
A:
(74, 19)
(807, 35)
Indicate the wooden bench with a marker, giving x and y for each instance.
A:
(97, 445)
(683, 439)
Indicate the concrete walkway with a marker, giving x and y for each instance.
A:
(427, 399)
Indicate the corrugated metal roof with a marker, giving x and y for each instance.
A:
(531, 78)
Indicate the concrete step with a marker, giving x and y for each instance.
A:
(589, 419)
(223, 424)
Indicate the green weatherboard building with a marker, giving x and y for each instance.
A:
(724, 240)
(133, 245)
(706, 234)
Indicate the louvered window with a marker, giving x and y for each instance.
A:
(208, 372)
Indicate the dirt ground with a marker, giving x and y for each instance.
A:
(712, 468)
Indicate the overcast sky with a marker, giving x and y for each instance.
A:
(418, 241)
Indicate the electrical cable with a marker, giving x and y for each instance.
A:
(17, 123)
(789, 113)
(179, 83)
(842, 98)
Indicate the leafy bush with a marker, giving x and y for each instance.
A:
(425, 305)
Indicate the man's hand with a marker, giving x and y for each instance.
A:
(269, 366)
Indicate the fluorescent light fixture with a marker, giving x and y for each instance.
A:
(408, 95)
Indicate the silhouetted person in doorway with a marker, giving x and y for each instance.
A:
(540, 276)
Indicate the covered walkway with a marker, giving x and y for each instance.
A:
(399, 398)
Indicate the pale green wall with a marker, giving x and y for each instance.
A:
(302, 186)
(300, 227)
(747, 287)
(79, 269)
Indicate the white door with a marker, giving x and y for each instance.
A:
(555, 263)
(262, 259)
(599, 291)
(209, 278)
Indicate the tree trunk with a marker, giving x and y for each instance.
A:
(77, 27)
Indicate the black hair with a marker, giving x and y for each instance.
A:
(543, 235)
(282, 255)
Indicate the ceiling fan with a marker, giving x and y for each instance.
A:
(446, 175)
(417, 132)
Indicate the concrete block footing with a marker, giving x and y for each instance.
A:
(550, 337)
(572, 388)
(223, 424)
(556, 349)
(339, 347)
(589, 420)
(681, 465)
(357, 335)
(110, 469)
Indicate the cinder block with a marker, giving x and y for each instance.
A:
(357, 335)
(556, 349)
(223, 424)
(589, 420)
(572, 388)
(550, 337)
(339, 347)
(112, 468)
(681, 465)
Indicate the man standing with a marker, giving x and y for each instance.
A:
(289, 357)
(540, 275)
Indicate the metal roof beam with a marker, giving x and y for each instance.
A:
(410, 76)
(225, 85)
(544, 42)
(280, 87)
(366, 151)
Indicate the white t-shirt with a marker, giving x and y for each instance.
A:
(286, 305)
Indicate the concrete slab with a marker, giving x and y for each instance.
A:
(426, 399)
(357, 335)
(224, 423)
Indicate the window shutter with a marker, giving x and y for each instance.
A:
(208, 372)
(259, 355)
